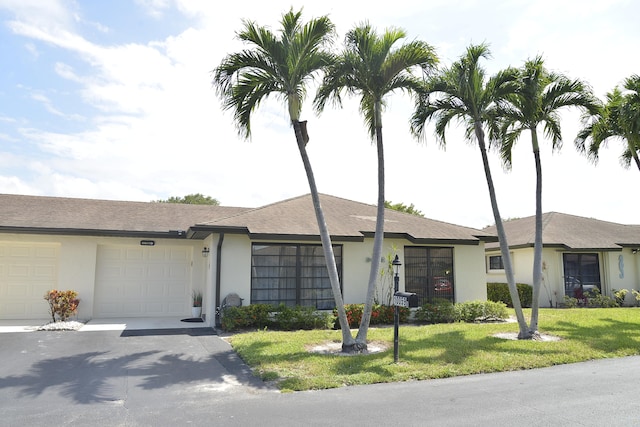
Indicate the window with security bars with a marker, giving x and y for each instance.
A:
(495, 262)
(292, 274)
(428, 272)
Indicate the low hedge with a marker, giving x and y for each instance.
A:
(499, 292)
(444, 311)
(380, 315)
(260, 316)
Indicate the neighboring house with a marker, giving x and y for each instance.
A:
(135, 259)
(579, 254)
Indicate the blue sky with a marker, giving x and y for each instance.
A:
(113, 100)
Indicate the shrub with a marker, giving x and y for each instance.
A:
(380, 315)
(570, 302)
(250, 316)
(636, 295)
(63, 304)
(294, 318)
(481, 311)
(282, 317)
(438, 311)
(499, 292)
(620, 295)
(596, 299)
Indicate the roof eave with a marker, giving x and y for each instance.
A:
(172, 234)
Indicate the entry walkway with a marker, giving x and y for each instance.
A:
(120, 324)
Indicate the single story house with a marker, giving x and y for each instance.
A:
(136, 259)
(578, 255)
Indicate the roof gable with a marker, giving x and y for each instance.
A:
(345, 219)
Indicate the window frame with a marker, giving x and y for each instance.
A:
(490, 269)
(425, 286)
(292, 272)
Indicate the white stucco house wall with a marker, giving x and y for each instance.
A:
(136, 259)
(578, 254)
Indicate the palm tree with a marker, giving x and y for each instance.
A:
(371, 68)
(283, 66)
(461, 92)
(618, 118)
(540, 96)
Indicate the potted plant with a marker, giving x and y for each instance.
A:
(196, 306)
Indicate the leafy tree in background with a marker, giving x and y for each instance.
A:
(461, 92)
(372, 68)
(283, 65)
(192, 199)
(618, 118)
(401, 207)
(539, 97)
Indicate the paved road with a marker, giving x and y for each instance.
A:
(192, 377)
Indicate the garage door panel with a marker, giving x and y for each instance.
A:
(142, 281)
(27, 271)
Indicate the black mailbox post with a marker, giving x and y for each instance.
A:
(400, 299)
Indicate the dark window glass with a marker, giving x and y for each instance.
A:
(495, 262)
(428, 272)
(581, 274)
(292, 274)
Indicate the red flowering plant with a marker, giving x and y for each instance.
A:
(63, 304)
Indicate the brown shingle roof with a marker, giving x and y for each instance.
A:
(58, 213)
(570, 231)
(293, 218)
(345, 219)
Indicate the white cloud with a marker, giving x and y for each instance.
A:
(160, 132)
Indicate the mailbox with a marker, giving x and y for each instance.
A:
(405, 299)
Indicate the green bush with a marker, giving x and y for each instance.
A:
(481, 311)
(250, 316)
(596, 299)
(438, 311)
(62, 304)
(282, 317)
(499, 292)
(295, 318)
(570, 302)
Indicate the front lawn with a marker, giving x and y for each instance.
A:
(439, 351)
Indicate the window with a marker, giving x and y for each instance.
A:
(581, 274)
(292, 274)
(428, 271)
(495, 262)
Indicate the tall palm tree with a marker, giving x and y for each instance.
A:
(540, 96)
(618, 118)
(463, 93)
(371, 68)
(283, 65)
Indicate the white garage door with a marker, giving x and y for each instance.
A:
(142, 281)
(27, 271)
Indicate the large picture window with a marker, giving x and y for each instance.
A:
(581, 274)
(428, 271)
(292, 274)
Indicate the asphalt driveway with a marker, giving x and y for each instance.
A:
(192, 377)
(153, 377)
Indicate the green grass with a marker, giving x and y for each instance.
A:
(439, 351)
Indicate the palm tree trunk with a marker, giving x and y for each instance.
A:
(378, 238)
(502, 237)
(537, 245)
(347, 339)
(633, 148)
